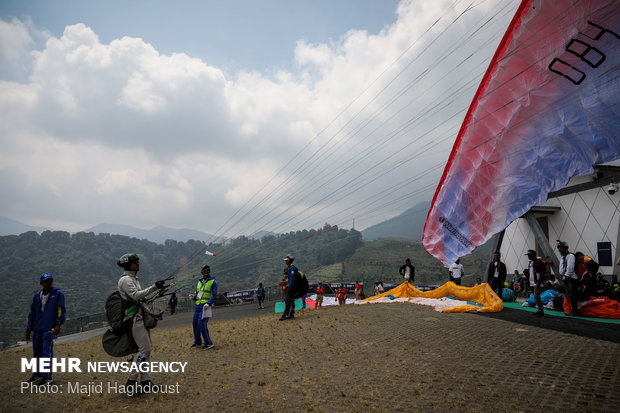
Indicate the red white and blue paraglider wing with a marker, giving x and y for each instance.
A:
(546, 110)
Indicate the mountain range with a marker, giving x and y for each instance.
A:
(12, 227)
(408, 225)
(159, 234)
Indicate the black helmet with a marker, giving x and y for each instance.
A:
(126, 260)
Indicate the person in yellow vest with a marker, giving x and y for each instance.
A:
(206, 290)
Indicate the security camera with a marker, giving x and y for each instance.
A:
(612, 188)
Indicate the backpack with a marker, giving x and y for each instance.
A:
(117, 341)
(119, 345)
(115, 307)
(301, 285)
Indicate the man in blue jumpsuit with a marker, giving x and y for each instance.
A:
(47, 313)
(206, 290)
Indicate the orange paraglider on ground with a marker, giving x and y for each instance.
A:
(446, 298)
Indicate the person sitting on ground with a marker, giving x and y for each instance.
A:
(593, 284)
(551, 283)
(378, 288)
(614, 291)
(602, 286)
(478, 281)
(526, 280)
(587, 288)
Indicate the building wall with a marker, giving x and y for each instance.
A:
(585, 218)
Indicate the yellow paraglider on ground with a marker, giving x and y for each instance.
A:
(449, 298)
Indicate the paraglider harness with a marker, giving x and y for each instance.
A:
(118, 340)
(301, 286)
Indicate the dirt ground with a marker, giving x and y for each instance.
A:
(380, 357)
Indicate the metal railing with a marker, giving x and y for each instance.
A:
(184, 304)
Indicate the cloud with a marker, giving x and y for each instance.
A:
(15, 39)
(119, 132)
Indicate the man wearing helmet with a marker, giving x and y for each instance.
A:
(204, 297)
(130, 289)
(289, 299)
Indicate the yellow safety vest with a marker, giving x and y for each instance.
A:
(205, 288)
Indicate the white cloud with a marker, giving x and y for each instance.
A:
(319, 55)
(247, 177)
(120, 132)
(15, 40)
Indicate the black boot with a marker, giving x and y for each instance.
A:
(132, 388)
(148, 387)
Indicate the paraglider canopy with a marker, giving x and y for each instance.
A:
(546, 110)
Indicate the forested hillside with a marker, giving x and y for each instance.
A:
(84, 265)
(380, 261)
(244, 262)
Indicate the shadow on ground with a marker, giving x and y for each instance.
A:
(553, 320)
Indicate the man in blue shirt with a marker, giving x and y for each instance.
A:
(289, 299)
(206, 291)
(47, 313)
(260, 295)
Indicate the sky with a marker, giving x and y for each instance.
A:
(234, 117)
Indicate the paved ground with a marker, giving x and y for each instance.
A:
(379, 357)
(600, 329)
